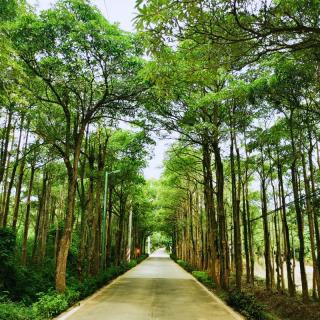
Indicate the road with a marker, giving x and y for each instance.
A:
(156, 289)
(260, 271)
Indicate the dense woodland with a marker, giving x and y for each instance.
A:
(236, 83)
(67, 78)
(244, 177)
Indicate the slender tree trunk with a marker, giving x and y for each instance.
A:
(286, 235)
(5, 145)
(209, 207)
(236, 217)
(40, 219)
(310, 214)
(295, 187)
(119, 241)
(65, 241)
(224, 259)
(98, 213)
(267, 254)
(27, 218)
(19, 184)
(248, 213)
(245, 233)
(13, 174)
(313, 204)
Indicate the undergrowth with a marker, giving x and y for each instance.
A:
(245, 303)
(51, 303)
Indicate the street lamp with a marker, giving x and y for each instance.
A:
(104, 218)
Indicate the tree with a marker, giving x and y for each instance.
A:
(82, 68)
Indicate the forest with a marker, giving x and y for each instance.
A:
(233, 83)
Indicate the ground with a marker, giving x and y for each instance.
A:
(156, 289)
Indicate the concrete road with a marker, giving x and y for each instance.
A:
(156, 289)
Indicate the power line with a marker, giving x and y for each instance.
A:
(305, 197)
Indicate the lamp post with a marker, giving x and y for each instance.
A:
(104, 222)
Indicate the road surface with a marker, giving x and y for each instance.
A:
(156, 289)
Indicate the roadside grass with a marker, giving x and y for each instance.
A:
(244, 302)
(51, 303)
(204, 278)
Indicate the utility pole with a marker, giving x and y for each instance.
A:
(104, 220)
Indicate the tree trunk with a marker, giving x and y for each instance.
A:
(236, 217)
(13, 174)
(223, 244)
(27, 218)
(286, 235)
(295, 187)
(5, 145)
(19, 184)
(266, 233)
(316, 280)
(209, 207)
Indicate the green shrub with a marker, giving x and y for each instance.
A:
(89, 285)
(7, 265)
(20, 282)
(247, 305)
(30, 281)
(142, 257)
(132, 264)
(16, 311)
(53, 303)
(204, 278)
(185, 265)
(173, 257)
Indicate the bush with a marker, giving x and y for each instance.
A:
(16, 311)
(185, 265)
(53, 303)
(7, 265)
(173, 257)
(20, 282)
(132, 264)
(30, 281)
(247, 305)
(91, 284)
(142, 257)
(204, 278)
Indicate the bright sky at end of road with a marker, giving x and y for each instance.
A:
(123, 12)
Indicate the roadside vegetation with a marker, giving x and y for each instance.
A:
(236, 83)
(74, 205)
(51, 303)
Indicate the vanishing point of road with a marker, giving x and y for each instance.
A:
(157, 289)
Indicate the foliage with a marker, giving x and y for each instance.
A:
(185, 265)
(20, 282)
(16, 311)
(204, 278)
(142, 257)
(173, 257)
(52, 303)
(132, 264)
(7, 246)
(238, 84)
(248, 305)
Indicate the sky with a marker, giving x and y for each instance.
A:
(123, 12)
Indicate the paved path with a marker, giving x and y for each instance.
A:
(156, 289)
